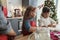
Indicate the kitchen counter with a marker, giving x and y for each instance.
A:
(16, 23)
(16, 18)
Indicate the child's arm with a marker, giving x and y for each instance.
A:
(32, 29)
(53, 23)
(28, 27)
(40, 23)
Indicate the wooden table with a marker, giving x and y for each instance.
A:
(21, 37)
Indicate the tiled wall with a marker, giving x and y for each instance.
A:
(4, 2)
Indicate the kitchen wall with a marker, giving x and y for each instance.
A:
(13, 4)
(4, 2)
(37, 3)
(25, 3)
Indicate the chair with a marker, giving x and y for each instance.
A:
(3, 37)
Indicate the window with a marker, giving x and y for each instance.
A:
(58, 11)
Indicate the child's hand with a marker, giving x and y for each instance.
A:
(55, 31)
(43, 26)
(51, 25)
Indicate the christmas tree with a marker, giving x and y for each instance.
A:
(51, 5)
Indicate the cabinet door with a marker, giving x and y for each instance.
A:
(20, 25)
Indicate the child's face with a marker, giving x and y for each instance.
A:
(33, 14)
(46, 15)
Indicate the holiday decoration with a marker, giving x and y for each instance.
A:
(51, 5)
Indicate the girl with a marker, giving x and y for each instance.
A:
(29, 24)
(45, 20)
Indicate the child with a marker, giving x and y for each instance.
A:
(45, 20)
(29, 23)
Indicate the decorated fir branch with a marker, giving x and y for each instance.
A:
(50, 4)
